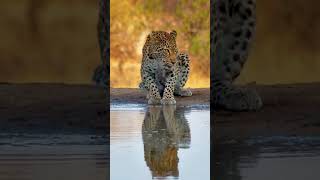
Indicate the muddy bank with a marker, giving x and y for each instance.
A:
(200, 96)
(273, 142)
(288, 110)
(60, 106)
(54, 106)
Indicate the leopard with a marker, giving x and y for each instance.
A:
(101, 73)
(234, 24)
(164, 70)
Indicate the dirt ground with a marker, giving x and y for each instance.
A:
(52, 106)
(200, 96)
(288, 109)
(68, 106)
(290, 112)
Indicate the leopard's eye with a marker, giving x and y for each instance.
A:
(166, 52)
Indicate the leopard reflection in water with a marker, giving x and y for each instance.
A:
(165, 129)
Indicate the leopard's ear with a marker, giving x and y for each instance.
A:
(151, 34)
(148, 37)
(173, 34)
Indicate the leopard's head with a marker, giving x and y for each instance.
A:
(162, 45)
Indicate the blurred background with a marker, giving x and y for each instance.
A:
(287, 43)
(48, 41)
(55, 40)
(133, 20)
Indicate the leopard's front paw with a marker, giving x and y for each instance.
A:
(241, 99)
(153, 100)
(184, 92)
(165, 101)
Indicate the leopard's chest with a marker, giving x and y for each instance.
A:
(158, 69)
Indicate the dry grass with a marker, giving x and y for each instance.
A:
(48, 41)
(287, 44)
(55, 41)
(131, 22)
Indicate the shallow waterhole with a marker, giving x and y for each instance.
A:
(159, 142)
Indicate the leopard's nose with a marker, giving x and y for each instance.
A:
(172, 56)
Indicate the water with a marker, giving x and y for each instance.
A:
(265, 158)
(159, 142)
(52, 156)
